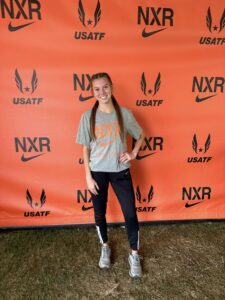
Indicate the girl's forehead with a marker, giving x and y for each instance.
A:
(100, 82)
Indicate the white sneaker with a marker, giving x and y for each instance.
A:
(135, 265)
(104, 261)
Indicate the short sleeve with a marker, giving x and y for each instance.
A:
(83, 133)
(132, 126)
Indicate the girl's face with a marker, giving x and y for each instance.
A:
(102, 90)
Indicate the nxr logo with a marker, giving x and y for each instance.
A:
(16, 10)
(151, 16)
(193, 194)
(36, 144)
(149, 144)
(84, 197)
(83, 82)
(207, 85)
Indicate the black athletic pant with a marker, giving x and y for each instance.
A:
(122, 185)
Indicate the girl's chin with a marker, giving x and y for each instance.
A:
(106, 101)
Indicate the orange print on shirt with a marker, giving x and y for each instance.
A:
(107, 133)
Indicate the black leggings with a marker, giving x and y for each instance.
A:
(122, 185)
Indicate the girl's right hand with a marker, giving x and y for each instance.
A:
(92, 185)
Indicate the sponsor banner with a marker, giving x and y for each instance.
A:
(167, 66)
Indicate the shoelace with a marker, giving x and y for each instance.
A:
(138, 257)
(105, 252)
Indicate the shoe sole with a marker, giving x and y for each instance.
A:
(103, 267)
(134, 276)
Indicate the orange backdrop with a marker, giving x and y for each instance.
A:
(166, 60)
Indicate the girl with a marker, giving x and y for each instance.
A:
(102, 132)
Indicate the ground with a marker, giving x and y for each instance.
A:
(180, 261)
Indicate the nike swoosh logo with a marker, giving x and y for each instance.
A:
(147, 34)
(81, 98)
(86, 208)
(187, 205)
(31, 157)
(138, 157)
(198, 99)
(15, 28)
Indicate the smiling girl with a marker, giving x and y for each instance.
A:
(102, 132)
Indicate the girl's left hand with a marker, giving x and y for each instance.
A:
(125, 157)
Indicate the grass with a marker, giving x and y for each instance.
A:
(182, 261)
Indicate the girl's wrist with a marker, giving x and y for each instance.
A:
(134, 153)
(88, 176)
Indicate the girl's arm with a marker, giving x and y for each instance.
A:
(91, 183)
(86, 157)
(125, 157)
(138, 144)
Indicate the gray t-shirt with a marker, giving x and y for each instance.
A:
(106, 149)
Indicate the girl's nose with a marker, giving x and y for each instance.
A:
(102, 92)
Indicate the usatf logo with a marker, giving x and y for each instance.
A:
(84, 197)
(145, 201)
(158, 18)
(32, 147)
(24, 11)
(200, 150)
(207, 87)
(27, 87)
(195, 195)
(213, 28)
(89, 23)
(19, 83)
(82, 84)
(36, 204)
(150, 146)
(150, 92)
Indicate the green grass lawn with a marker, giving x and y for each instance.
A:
(182, 261)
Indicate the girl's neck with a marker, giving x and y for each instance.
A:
(106, 108)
